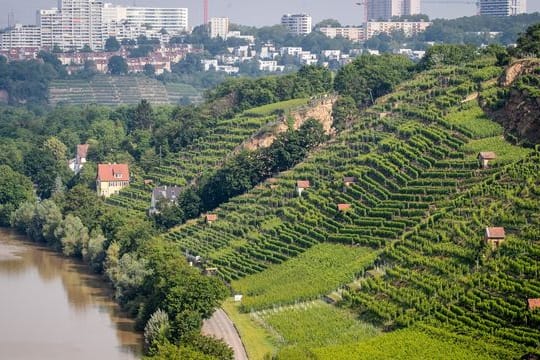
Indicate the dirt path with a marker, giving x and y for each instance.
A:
(220, 326)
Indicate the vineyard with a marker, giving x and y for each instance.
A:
(204, 156)
(403, 191)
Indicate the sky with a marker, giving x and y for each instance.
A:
(254, 12)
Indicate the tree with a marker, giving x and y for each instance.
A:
(143, 116)
(149, 70)
(117, 65)
(327, 23)
(448, 54)
(15, 189)
(72, 236)
(112, 44)
(528, 43)
(156, 331)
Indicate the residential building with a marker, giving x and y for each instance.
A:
(270, 66)
(384, 10)
(502, 7)
(299, 24)
(351, 33)
(219, 27)
(50, 23)
(111, 178)
(173, 20)
(409, 28)
(163, 195)
(81, 24)
(20, 36)
(78, 162)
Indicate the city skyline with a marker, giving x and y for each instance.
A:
(249, 12)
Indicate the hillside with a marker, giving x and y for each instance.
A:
(412, 218)
(116, 90)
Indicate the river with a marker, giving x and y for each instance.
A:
(54, 308)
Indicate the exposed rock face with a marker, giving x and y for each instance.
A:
(520, 115)
(318, 109)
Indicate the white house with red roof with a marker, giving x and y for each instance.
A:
(77, 164)
(111, 178)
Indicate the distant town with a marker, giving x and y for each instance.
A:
(88, 33)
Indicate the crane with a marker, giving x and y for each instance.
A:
(205, 10)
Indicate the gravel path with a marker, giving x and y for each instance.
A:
(220, 326)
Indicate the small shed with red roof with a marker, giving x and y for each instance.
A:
(495, 236)
(302, 185)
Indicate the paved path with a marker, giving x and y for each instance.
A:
(220, 326)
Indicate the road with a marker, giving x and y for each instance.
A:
(221, 327)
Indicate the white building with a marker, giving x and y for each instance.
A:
(81, 24)
(270, 66)
(351, 33)
(386, 9)
(219, 27)
(21, 36)
(50, 23)
(409, 28)
(173, 20)
(502, 7)
(299, 24)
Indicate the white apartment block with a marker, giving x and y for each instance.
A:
(173, 20)
(219, 27)
(385, 9)
(409, 28)
(81, 24)
(299, 24)
(502, 7)
(270, 66)
(351, 33)
(21, 36)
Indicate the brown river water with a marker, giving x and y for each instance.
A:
(52, 307)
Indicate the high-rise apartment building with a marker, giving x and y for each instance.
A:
(82, 24)
(299, 24)
(219, 27)
(173, 20)
(386, 9)
(50, 23)
(21, 36)
(502, 7)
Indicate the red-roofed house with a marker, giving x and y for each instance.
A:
(80, 159)
(484, 158)
(495, 236)
(301, 185)
(344, 207)
(210, 218)
(111, 178)
(533, 303)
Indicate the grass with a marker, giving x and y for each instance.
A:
(317, 324)
(257, 341)
(475, 120)
(405, 344)
(270, 108)
(505, 151)
(315, 272)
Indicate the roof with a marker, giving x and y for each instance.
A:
(349, 179)
(211, 217)
(113, 172)
(487, 155)
(533, 303)
(495, 232)
(343, 207)
(166, 192)
(272, 180)
(82, 150)
(304, 184)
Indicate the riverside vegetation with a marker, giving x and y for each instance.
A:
(406, 257)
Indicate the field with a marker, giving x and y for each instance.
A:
(474, 120)
(316, 272)
(118, 90)
(316, 324)
(505, 151)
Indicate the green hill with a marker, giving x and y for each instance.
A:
(421, 201)
(117, 90)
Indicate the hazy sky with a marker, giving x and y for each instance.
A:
(253, 12)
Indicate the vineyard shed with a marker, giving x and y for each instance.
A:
(210, 218)
(485, 157)
(344, 207)
(495, 236)
(533, 304)
(349, 180)
(301, 185)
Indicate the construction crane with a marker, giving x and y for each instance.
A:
(205, 10)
